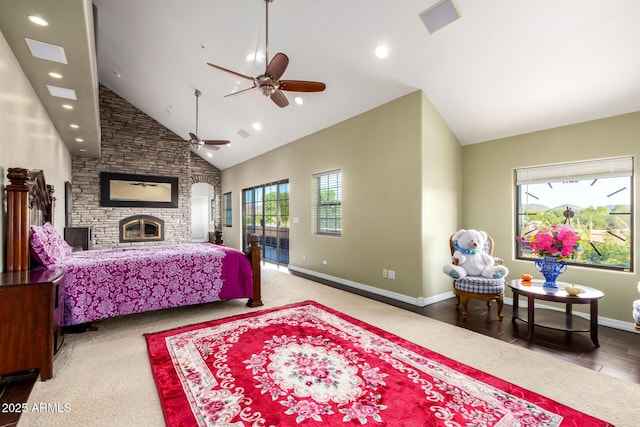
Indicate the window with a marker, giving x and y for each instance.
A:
(327, 207)
(226, 209)
(594, 197)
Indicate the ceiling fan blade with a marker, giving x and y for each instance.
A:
(216, 142)
(277, 66)
(302, 86)
(279, 98)
(242, 76)
(240, 92)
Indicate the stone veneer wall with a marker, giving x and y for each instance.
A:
(133, 142)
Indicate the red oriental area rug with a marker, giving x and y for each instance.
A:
(308, 365)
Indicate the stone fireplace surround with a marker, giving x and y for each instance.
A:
(133, 142)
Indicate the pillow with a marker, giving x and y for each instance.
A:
(39, 246)
(47, 246)
(57, 240)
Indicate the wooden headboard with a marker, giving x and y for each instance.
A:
(30, 201)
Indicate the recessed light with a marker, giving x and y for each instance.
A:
(67, 106)
(79, 140)
(209, 155)
(55, 75)
(255, 57)
(74, 126)
(83, 150)
(382, 51)
(38, 20)
(257, 126)
(117, 74)
(298, 100)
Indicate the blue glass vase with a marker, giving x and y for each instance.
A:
(550, 268)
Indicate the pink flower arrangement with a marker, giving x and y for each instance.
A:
(560, 241)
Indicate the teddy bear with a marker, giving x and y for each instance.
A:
(472, 259)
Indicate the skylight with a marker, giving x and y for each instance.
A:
(47, 51)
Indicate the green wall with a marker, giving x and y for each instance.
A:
(489, 194)
(382, 178)
(441, 198)
(408, 184)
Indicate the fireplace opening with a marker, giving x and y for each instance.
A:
(141, 228)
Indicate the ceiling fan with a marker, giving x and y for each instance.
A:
(269, 83)
(195, 140)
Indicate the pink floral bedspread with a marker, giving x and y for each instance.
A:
(99, 284)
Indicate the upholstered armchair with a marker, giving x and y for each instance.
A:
(478, 287)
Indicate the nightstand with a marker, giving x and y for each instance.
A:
(31, 315)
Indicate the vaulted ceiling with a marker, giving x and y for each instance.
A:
(504, 68)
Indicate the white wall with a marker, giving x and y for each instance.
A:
(28, 139)
(204, 191)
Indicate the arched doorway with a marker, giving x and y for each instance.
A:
(202, 211)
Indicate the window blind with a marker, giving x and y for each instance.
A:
(592, 169)
(327, 203)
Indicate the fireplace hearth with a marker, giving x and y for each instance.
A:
(141, 228)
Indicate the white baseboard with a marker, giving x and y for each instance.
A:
(421, 302)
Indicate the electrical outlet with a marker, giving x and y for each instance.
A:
(324, 262)
(304, 257)
(384, 273)
(391, 274)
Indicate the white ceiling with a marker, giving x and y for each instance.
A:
(505, 68)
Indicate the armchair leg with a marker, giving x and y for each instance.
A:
(465, 300)
(500, 301)
(462, 297)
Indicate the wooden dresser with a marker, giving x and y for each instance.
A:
(31, 314)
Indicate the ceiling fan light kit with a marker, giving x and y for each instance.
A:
(269, 83)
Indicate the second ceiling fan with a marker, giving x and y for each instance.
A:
(195, 140)
(269, 83)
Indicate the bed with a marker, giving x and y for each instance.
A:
(105, 283)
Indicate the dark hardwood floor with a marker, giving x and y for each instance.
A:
(14, 391)
(617, 356)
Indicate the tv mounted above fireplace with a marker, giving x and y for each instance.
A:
(146, 191)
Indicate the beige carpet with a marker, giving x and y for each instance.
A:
(103, 378)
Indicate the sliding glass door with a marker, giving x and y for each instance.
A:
(265, 212)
